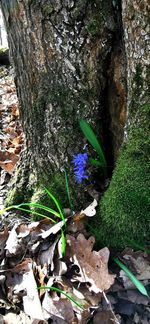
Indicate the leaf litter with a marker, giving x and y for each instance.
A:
(26, 269)
(31, 256)
(11, 136)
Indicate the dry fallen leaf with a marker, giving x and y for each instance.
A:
(53, 230)
(46, 256)
(3, 239)
(105, 317)
(93, 265)
(142, 267)
(57, 308)
(22, 285)
(12, 245)
(8, 161)
(12, 318)
(14, 110)
(90, 211)
(31, 301)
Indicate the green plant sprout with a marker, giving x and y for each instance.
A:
(63, 293)
(58, 214)
(131, 276)
(68, 191)
(91, 137)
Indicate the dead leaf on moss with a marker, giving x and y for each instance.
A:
(93, 265)
(90, 211)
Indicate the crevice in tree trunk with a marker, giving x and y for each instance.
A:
(113, 114)
(66, 72)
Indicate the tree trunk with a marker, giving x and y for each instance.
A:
(66, 56)
(125, 208)
(70, 63)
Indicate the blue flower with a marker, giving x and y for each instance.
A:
(80, 161)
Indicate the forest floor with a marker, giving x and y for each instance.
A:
(85, 286)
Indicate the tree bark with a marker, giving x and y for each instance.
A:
(65, 55)
(125, 208)
(78, 59)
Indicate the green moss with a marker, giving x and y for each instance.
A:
(3, 50)
(47, 9)
(14, 197)
(54, 183)
(93, 27)
(125, 208)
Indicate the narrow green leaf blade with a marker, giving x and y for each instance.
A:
(131, 276)
(89, 134)
(6, 209)
(57, 204)
(67, 190)
(63, 293)
(63, 242)
(35, 213)
(36, 205)
(138, 246)
(96, 162)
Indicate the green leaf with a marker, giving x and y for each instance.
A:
(27, 211)
(138, 246)
(89, 134)
(96, 162)
(57, 205)
(6, 209)
(63, 242)
(36, 213)
(68, 191)
(63, 293)
(36, 205)
(131, 276)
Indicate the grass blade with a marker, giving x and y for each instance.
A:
(131, 276)
(27, 211)
(57, 205)
(68, 191)
(96, 162)
(63, 293)
(6, 209)
(36, 213)
(63, 243)
(36, 205)
(138, 246)
(89, 134)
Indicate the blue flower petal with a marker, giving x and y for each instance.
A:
(79, 162)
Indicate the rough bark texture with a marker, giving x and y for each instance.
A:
(125, 207)
(69, 63)
(136, 22)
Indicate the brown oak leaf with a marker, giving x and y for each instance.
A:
(93, 265)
